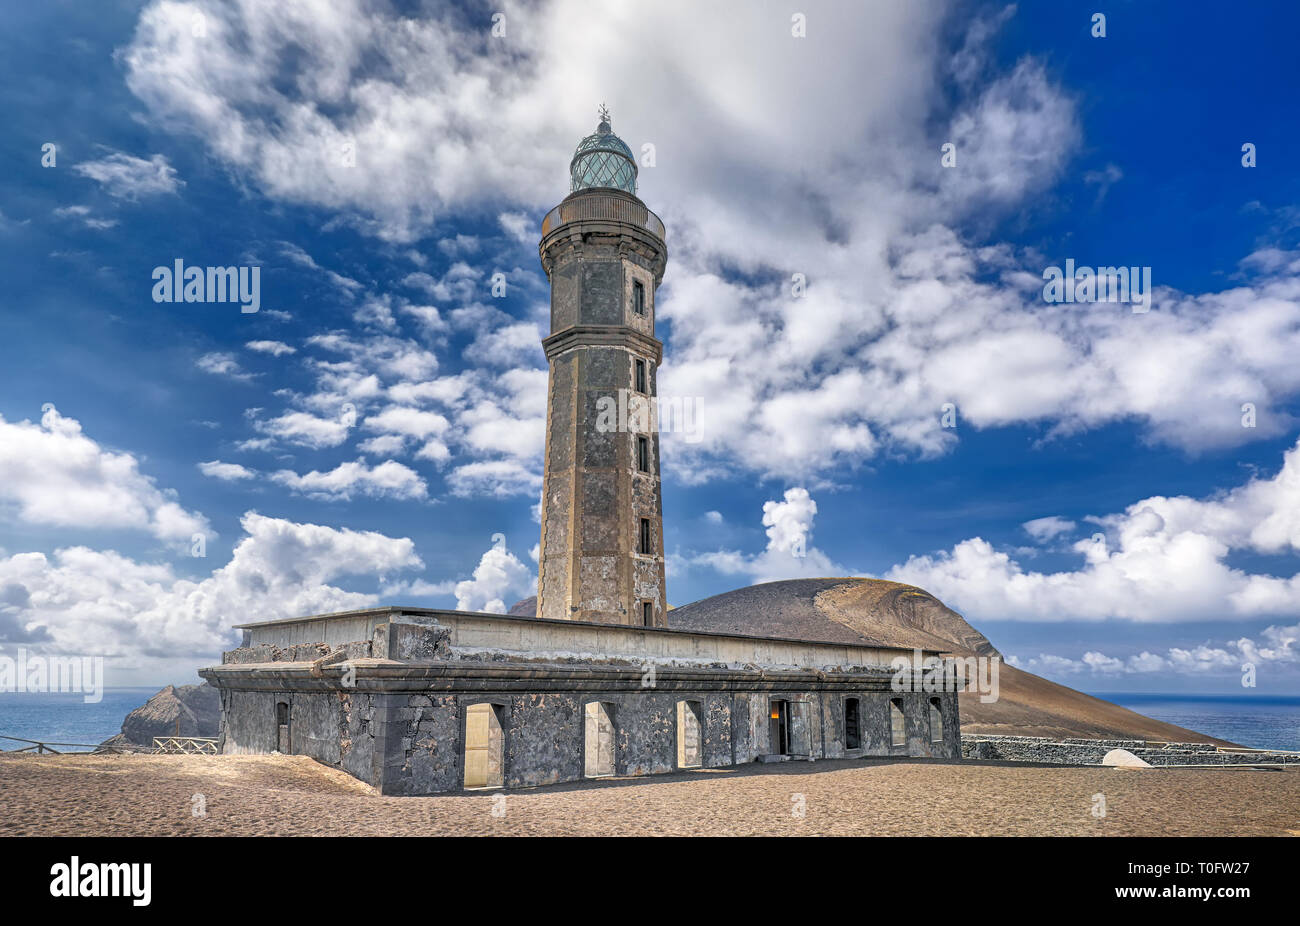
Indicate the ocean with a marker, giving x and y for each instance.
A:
(1262, 721)
(66, 718)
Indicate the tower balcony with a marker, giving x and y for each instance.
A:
(603, 205)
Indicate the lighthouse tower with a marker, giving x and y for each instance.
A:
(602, 550)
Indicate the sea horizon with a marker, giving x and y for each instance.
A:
(1260, 721)
(66, 717)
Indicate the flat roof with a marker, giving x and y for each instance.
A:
(393, 609)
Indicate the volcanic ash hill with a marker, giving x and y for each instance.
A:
(892, 614)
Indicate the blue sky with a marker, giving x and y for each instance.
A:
(365, 435)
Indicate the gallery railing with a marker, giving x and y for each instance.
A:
(597, 206)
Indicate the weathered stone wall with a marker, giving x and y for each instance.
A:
(413, 743)
(1091, 752)
(392, 710)
(336, 727)
(421, 753)
(594, 494)
(544, 742)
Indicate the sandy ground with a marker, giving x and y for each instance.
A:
(292, 795)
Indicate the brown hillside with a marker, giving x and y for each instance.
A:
(890, 613)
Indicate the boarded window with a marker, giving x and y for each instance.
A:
(688, 734)
(648, 613)
(852, 727)
(897, 730)
(640, 376)
(643, 454)
(599, 740)
(283, 741)
(800, 729)
(638, 297)
(936, 721)
(484, 747)
(643, 538)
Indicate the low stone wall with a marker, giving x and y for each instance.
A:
(1091, 752)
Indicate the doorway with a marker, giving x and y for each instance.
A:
(484, 742)
(688, 734)
(599, 741)
(852, 726)
(283, 743)
(778, 729)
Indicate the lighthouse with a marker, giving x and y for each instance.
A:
(602, 546)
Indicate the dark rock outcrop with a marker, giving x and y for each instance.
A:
(184, 710)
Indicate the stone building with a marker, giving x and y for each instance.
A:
(598, 682)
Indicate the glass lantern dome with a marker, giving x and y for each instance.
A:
(603, 160)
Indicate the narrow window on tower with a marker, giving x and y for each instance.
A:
(648, 613)
(643, 454)
(640, 376)
(638, 297)
(643, 541)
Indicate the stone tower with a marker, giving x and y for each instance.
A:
(602, 552)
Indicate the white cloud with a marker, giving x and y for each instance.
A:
(306, 429)
(518, 225)
(52, 473)
(375, 313)
(1161, 559)
(1277, 652)
(429, 318)
(460, 283)
(1010, 141)
(102, 603)
(496, 478)
(397, 358)
(789, 522)
(491, 422)
(406, 421)
(509, 346)
(223, 364)
(498, 576)
(389, 479)
(227, 472)
(1045, 529)
(127, 177)
(435, 451)
(510, 425)
(258, 443)
(297, 255)
(274, 348)
(906, 308)
(1099, 662)
(789, 553)
(85, 216)
(383, 445)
